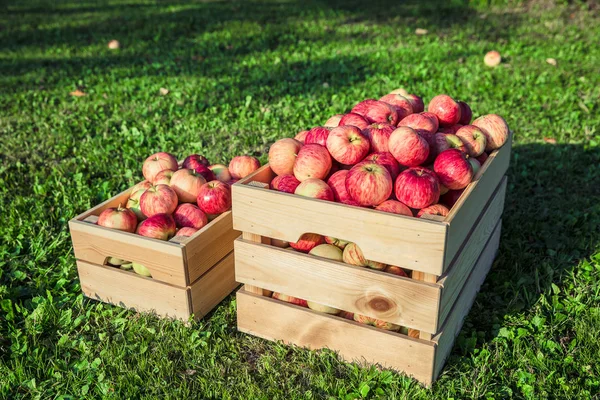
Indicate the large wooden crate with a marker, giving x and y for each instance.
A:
(190, 275)
(449, 258)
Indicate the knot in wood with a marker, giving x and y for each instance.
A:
(380, 304)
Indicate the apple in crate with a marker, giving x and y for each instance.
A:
(315, 188)
(282, 155)
(221, 172)
(494, 128)
(158, 162)
(116, 262)
(450, 129)
(482, 158)
(189, 215)
(394, 207)
(369, 184)
(355, 120)
(186, 231)
(133, 203)
(417, 103)
(159, 199)
(475, 164)
(333, 121)
(376, 111)
(377, 323)
(446, 109)
(452, 197)
(141, 270)
(378, 135)
(205, 172)
(336, 242)
(322, 308)
(444, 141)
(285, 183)
(453, 169)
(408, 147)
(290, 299)
(242, 166)
(353, 255)
(159, 226)
(307, 242)
(434, 209)
(387, 160)
(393, 269)
(346, 315)
(347, 145)
(337, 183)
(163, 177)
(187, 183)
(139, 186)
(421, 122)
(402, 105)
(301, 136)
(214, 197)
(118, 218)
(193, 161)
(327, 251)
(313, 161)
(417, 187)
(465, 113)
(473, 138)
(317, 135)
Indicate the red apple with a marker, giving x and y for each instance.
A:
(393, 269)
(134, 204)
(369, 183)
(285, 183)
(206, 173)
(118, 218)
(139, 186)
(334, 121)
(280, 243)
(475, 164)
(378, 135)
(158, 162)
(482, 158)
(353, 255)
(394, 207)
(346, 315)
(434, 209)
(214, 197)
(187, 183)
(282, 155)
(355, 120)
(473, 138)
(317, 135)
(416, 102)
(494, 128)
(301, 136)
(290, 299)
(242, 166)
(337, 183)
(164, 177)
(322, 308)
(408, 147)
(194, 160)
(347, 145)
(189, 215)
(402, 105)
(446, 109)
(313, 161)
(443, 189)
(417, 187)
(423, 122)
(387, 160)
(158, 199)
(376, 111)
(444, 141)
(377, 323)
(315, 188)
(307, 242)
(401, 91)
(158, 226)
(453, 169)
(450, 129)
(465, 113)
(492, 58)
(187, 231)
(327, 251)
(221, 172)
(336, 242)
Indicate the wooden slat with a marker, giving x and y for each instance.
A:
(264, 175)
(274, 320)
(472, 202)
(128, 290)
(209, 245)
(454, 279)
(213, 286)
(412, 243)
(380, 295)
(251, 237)
(93, 243)
(451, 328)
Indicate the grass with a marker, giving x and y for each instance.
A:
(241, 75)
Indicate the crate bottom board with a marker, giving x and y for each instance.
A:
(274, 320)
(128, 290)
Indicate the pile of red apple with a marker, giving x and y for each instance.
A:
(390, 154)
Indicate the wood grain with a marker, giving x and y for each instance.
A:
(213, 286)
(254, 238)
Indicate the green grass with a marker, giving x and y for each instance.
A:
(241, 75)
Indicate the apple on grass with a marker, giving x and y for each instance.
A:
(446, 109)
(282, 155)
(159, 226)
(214, 197)
(221, 172)
(193, 161)
(353, 255)
(402, 105)
(434, 209)
(301, 136)
(375, 111)
(369, 184)
(315, 188)
(394, 207)
(494, 128)
(317, 135)
(347, 145)
(465, 113)
(355, 120)
(453, 169)
(313, 161)
(378, 135)
(393, 269)
(289, 299)
(336, 242)
(307, 242)
(189, 215)
(242, 166)
(159, 199)
(334, 121)
(408, 147)
(426, 122)
(377, 323)
(141, 270)
(163, 177)
(158, 162)
(133, 203)
(386, 160)
(473, 138)
(417, 187)
(187, 183)
(322, 308)
(285, 183)
(327, 251)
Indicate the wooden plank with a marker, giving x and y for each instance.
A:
(209, 245)
(93, 243)
(251, 237)
(128, 290)
(212, 287)
(380, 295)
(445, 338)
(472, 202)
(274, 320)
(264, 175)
(413, 243)
(454, 279)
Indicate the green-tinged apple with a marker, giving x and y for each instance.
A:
(377, 323)
(141, 270)
(327, 251)
(163, 177)
(322, 308)
(158, 162)
(133, 203)
(221, 172)
(187, 184)
(353, 255)
(336, 242)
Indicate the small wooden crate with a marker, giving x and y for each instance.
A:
(190, 275)
(449, 258)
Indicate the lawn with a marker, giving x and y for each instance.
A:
(240, 75)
